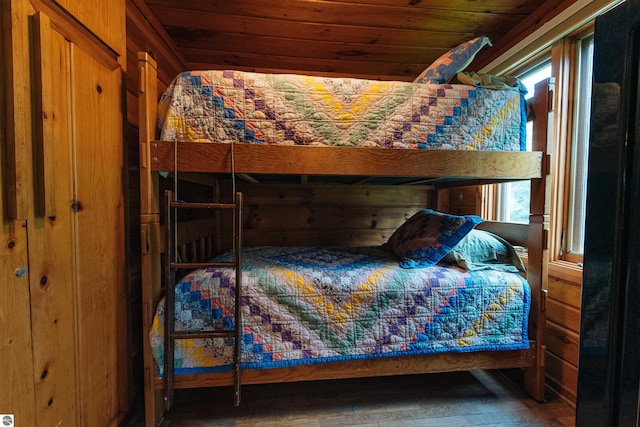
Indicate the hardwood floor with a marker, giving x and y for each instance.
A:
(442, 400)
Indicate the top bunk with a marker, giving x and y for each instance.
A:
(268, 125)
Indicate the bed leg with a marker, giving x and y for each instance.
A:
(534, 377)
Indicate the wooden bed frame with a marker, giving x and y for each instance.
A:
(441, 167)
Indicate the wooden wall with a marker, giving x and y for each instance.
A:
(328, 214)
(461, 200)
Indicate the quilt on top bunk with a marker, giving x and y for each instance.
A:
(235, 106)
(307, 305)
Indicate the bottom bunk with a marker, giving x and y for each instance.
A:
(308, 305)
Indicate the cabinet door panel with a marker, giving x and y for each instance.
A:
(99, 225)
(51, 273)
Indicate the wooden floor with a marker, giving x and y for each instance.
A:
(442, 400)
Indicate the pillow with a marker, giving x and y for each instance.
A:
(426, 237)
(480, 250)
(457, 59)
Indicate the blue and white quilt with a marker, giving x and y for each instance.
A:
(304, 305)
(287, 109)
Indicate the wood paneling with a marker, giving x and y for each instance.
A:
(565, 292)
(562, 333)
(145, 34)
(17, 395)
(562, 342)
(562, 377)
(464, 200)
(324, 214)
(51, 259)
(105, 18)
(99, 257)
(447, 17)
(177, 20)
(563, 314)
(330, 217)
(342, 195)
(17, 91)
(384, 39)
(315, 237)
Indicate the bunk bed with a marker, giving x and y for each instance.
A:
(389, 154)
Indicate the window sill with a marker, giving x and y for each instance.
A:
(567, 271)
(564, 270)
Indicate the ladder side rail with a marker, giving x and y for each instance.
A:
(169, 306)
(238, 301)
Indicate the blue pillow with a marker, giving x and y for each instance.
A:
(480, 250)
(426, 237)
(451, 63)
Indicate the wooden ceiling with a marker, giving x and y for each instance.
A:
(381, 39)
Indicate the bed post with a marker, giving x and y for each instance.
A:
(534, 379)
(149, 230)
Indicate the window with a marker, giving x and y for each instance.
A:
(570, 62)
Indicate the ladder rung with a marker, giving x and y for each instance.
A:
(202, 265)
(203, 205)
(179, 335)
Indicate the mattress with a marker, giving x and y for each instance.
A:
(306, 305)
(253, 108)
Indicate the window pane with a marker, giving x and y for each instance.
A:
(513, 197)
(580, 146)
(516, 201)
(536, 75)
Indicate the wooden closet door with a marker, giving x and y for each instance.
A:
(99, 236)
(51, 273)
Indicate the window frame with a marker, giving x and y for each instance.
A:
(564, 55)
(566, 62)
(577, 137)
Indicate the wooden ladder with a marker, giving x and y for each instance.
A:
(172, 264)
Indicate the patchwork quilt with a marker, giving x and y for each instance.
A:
(243, 107)
(305, 305)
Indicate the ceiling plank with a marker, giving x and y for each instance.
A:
(239, 43)
(330, 12)
(252, 26)
(211, 59)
